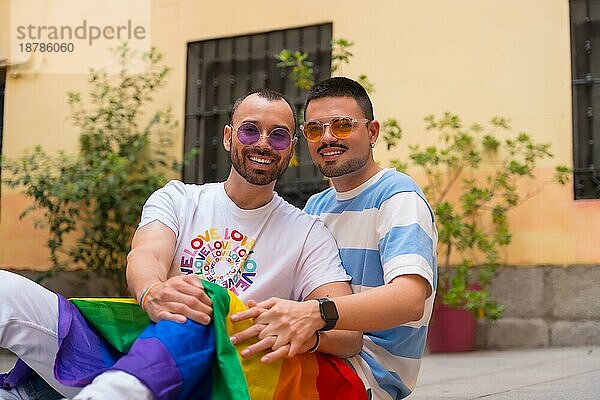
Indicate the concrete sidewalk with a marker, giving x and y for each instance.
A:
(549, 373)
(532, 374)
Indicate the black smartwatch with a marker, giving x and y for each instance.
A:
(328, 313)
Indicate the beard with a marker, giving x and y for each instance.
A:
(242, 166)
(343, 168)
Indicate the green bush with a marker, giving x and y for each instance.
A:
(96, 195)
(471, 183)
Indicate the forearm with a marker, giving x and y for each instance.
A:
(343, 344)
(142, 271)
(383, 307)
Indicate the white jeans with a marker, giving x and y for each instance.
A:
(29, 328)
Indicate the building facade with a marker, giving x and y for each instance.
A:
(530, 61)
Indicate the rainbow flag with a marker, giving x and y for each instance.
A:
(188, 361)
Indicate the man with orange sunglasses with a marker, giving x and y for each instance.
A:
(385, 231)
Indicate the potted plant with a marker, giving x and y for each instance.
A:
(471, 182)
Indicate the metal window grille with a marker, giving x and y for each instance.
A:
(585, 66)
(221, 70)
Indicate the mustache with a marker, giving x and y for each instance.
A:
(326, 145)
(257, 151)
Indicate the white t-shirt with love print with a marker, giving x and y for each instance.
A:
(276, 250)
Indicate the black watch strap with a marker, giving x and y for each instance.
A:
(328, 313)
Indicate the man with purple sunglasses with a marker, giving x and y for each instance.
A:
(239, 234)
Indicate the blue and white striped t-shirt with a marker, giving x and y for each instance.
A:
(384, 228)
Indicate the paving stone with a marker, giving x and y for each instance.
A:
(574, 333)
(521, 291)
(572, 293)
(77, 284)
(508, 333)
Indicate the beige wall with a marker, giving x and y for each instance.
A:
(475, 58)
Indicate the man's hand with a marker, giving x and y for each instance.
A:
(148, 262)
(177, 299)
(281, 322)
(282, 352)
(265, 344)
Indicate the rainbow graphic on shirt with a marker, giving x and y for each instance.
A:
(221, 256)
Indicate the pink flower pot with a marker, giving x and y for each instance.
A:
(450, 330)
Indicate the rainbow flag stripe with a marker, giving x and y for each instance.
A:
(188, 361)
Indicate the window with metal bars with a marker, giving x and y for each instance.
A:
(221, 70)
(585, 66)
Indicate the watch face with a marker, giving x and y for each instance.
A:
(330, 310)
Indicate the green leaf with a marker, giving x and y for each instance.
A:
(392, 132)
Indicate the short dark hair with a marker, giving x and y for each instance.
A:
(340, 86)
(268, 94)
